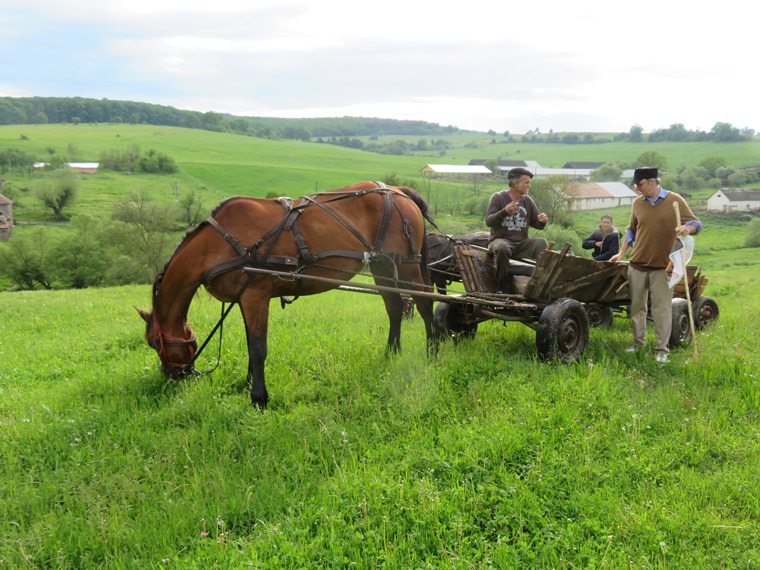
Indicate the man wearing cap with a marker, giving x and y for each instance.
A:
(653, 229)
(510, 213)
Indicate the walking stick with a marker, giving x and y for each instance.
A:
(686, 286)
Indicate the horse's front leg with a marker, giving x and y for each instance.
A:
(255, 316)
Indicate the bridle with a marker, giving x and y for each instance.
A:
(165, 340)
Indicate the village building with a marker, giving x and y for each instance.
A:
(598, 195)
(734, 200)
(79, 167)
(573, 170)
(454, 169)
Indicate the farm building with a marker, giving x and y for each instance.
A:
(574, 173)
(734, 200)
(598, 195)
(6, 217)
(454, 169)
(80, 167)
(584, 165)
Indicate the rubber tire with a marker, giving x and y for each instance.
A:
(450, 320)
(599, 315)
(705, 311)
(680, 333)
(563, 331)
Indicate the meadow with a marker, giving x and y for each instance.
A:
(483, 457)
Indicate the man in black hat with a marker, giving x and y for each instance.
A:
(510, 213)
(654, 231)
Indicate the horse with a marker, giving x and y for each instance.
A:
(441, 262)
(330, 235)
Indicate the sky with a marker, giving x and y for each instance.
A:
(551, 65)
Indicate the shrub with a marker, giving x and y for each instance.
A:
(753, 234)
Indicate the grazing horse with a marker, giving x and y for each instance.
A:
(330, 235)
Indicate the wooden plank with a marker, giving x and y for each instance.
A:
(597, 278)
(546, 273)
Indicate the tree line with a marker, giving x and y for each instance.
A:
(74, 110)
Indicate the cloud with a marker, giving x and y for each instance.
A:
(550, 65)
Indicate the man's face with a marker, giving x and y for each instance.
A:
(522, 184)
(647, 188)
(606, 224)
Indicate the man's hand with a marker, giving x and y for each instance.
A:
(543, 218)
(615, 258)
(511, 208)
(683, 230)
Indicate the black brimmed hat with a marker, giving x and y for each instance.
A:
(644, 173)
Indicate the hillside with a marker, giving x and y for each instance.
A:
(483, 457)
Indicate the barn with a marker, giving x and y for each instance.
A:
(598, 195)
(734, 200)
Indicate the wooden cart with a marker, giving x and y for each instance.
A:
(560, 296)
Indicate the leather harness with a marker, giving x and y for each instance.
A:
(250, 256)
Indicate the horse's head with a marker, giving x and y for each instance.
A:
(176, 354)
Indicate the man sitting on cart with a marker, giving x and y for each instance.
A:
(510, 213)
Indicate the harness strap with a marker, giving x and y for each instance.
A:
(232, 240)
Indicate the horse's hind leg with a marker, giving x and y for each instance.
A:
(433, 333)
(255, 314)
(394, 306)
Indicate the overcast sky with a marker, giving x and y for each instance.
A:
(594, 65)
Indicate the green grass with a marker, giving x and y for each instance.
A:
(483, 457)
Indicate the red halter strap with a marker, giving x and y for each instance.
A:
(165, 340)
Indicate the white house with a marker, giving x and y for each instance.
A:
(598, 195)
(734, 200)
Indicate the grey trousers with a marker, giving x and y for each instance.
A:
(503, 250)
(654, 283)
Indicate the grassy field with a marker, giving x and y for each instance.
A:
(484, 457)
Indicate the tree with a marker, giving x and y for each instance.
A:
(142, 234)
(711, 164)
(635, 134)
(652, 158)
(192, 208)
(58, 189)
(81, 260)
(606, 173)
(23, 260)
(550, 195)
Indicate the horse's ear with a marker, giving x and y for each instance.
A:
(147, 317)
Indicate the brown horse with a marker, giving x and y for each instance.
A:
(330, 235)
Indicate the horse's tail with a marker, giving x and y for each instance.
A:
(422, 204)
(417, 198)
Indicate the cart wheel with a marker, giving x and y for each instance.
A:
(562, 332)
(680, 332)
(705, 311)
(599, 315)
(452, 321)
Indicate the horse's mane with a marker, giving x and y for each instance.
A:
(188, 234)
